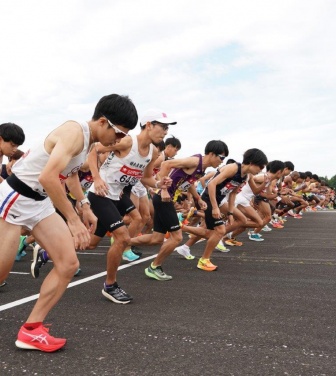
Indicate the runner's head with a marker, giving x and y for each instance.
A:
(113, 117)
(256, 159)
(11, 136)
(275, 167)
(217, 150)
(156, 123)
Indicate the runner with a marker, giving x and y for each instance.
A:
(131, 160)
(226, 181)
(183, 172)
(28, 197)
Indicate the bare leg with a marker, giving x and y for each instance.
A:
(47, 233)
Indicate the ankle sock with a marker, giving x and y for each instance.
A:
(32, 325)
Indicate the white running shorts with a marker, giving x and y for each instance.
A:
(139, 189)
(20, 210)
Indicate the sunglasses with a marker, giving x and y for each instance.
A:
(165, 127)
(119, 133)
(221, 157)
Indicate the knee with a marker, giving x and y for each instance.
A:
(267, 219)
(68, 268)
(178, 238)
(156, 240)
(123, 242)
(146, 218)
(260, 222)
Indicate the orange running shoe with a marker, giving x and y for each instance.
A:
(206, 264)
(233, 242)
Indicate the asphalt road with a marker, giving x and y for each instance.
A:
(268, 310)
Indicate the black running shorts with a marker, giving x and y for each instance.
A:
(165, 216)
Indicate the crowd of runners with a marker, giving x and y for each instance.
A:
(88, 180)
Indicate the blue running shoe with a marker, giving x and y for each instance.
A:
(21, 250)
(40, 257)
(129, 256)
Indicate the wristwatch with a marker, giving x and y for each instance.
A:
(84, 201)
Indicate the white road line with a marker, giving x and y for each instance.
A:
(72, 284)
(19, 273)
(91, 253)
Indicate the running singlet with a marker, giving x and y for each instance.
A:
(226, 186)
(181, 181)
(29, 167)
(121, 172)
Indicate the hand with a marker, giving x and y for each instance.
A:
(89, 219)
(216, 213)
(202, 204)
(165, 196)
(80, 233)
(101, 187)
(166, 182)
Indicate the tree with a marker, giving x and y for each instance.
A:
(332, 182)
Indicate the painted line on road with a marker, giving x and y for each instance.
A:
(72, 284)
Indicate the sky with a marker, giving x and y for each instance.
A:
(254, 74)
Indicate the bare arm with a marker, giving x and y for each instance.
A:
(62, 145)
(225, 172)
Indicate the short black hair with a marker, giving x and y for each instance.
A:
(315, 177)
(11, 132)
(256, 157)
(119, 109)
(16, 156)
(230, 161)
(217, 147)
(275, 166)
(160, 145)
(302, 175)
(308, 174)
(289, 165)
(173, 141)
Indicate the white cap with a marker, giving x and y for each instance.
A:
(156, 115)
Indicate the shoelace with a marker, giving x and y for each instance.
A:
(120, 290)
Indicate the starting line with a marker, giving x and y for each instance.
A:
(72, 284)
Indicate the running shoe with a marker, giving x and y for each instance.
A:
(157, 273)
(191, 212)
(3, 283)
(256, 238)
(221, 247)
(129, 256)
(277, 225)
(233, 242)
(266, 228)
(78, 272)
(40, 257)
(184, 251)
(38, 339)
(180, 218)
(206, 264)
(21, 250)
(116, 294)
(135, 251)
(298, 216)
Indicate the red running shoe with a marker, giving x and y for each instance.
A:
(38, 339)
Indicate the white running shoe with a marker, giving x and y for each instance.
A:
(184, 251)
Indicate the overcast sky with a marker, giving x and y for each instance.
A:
(251, 73)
